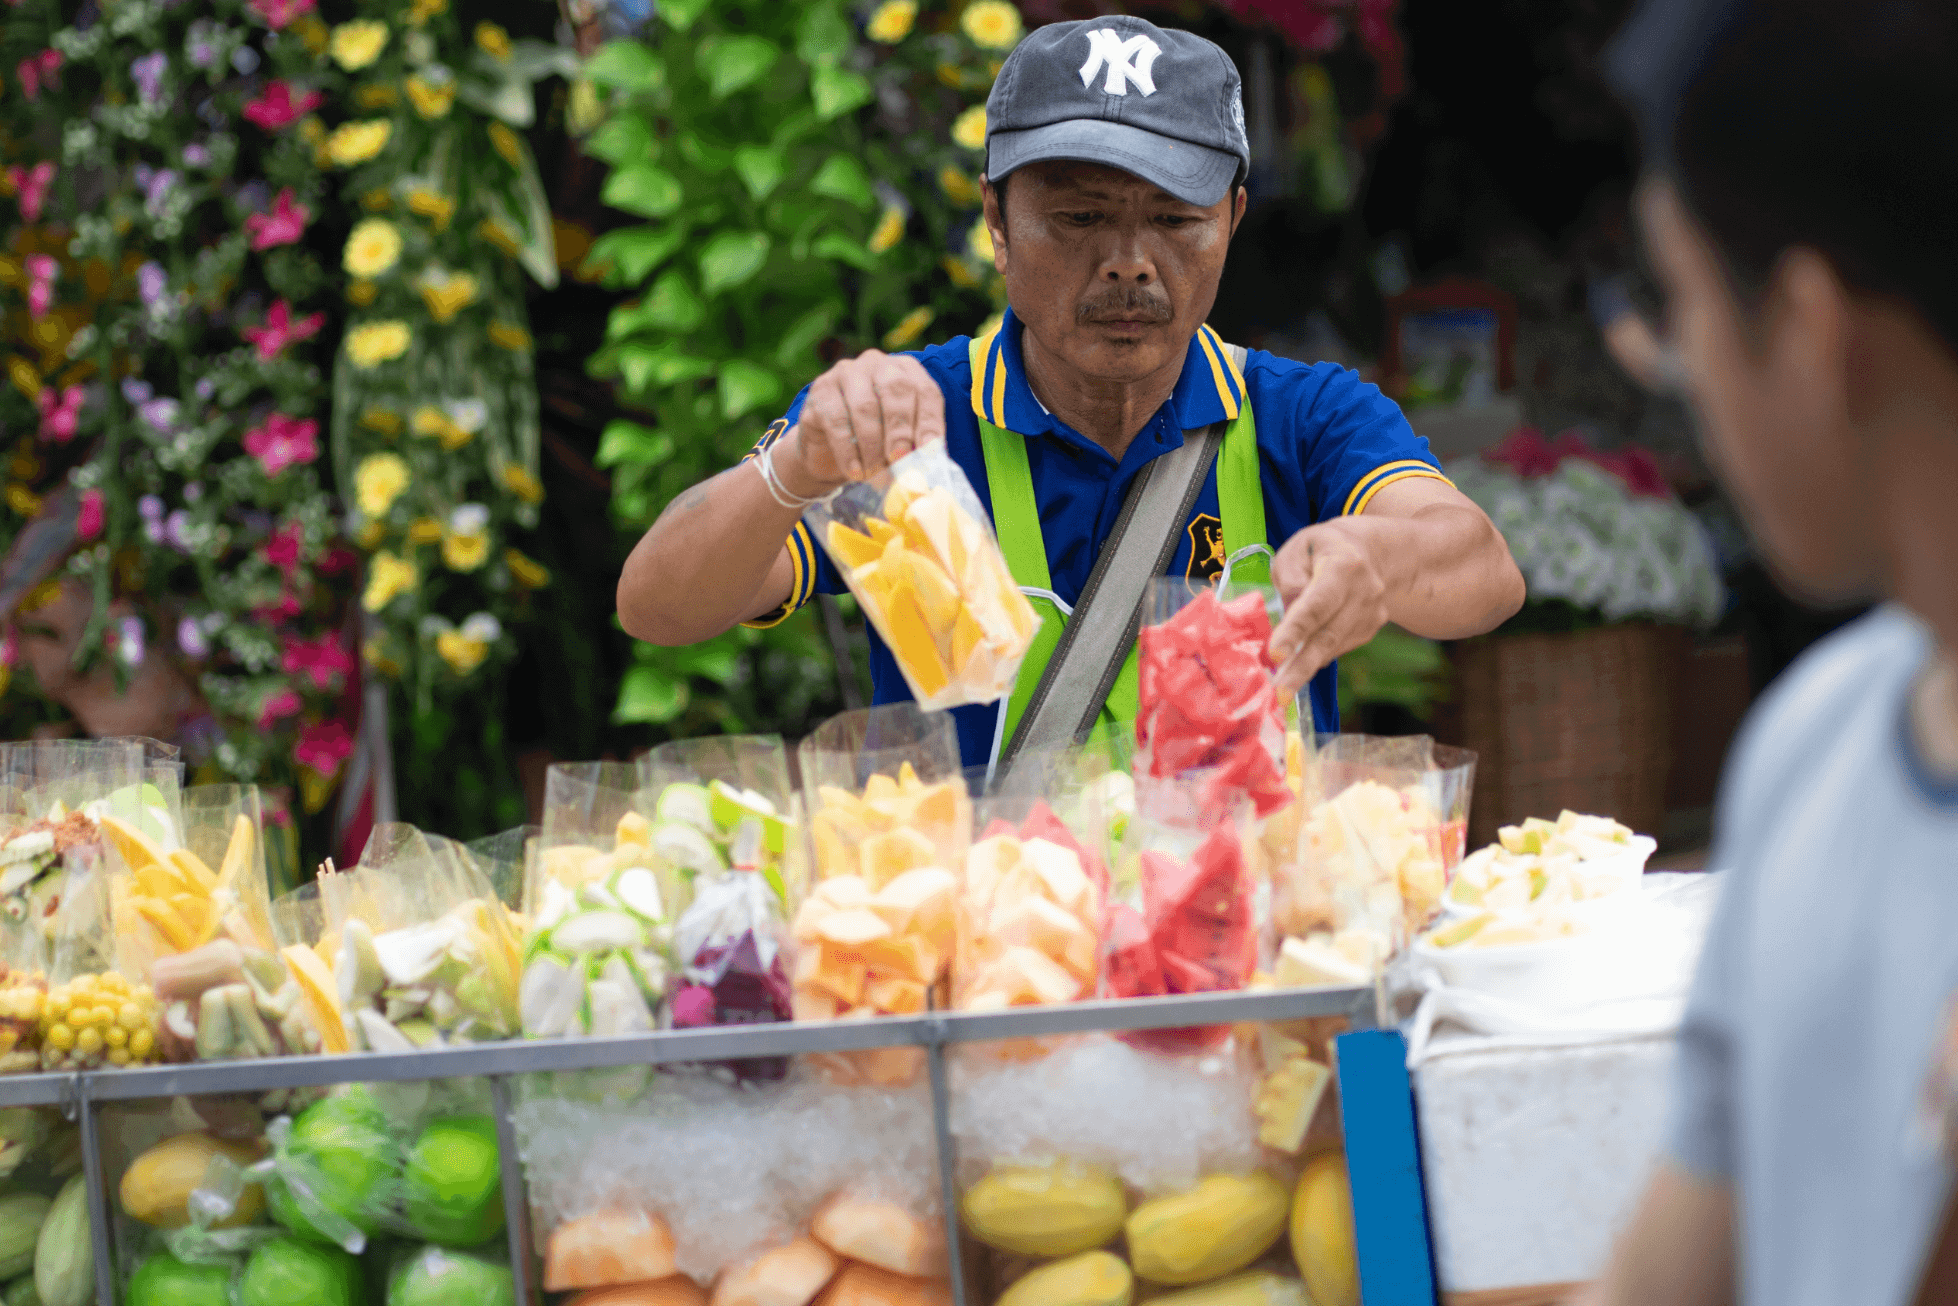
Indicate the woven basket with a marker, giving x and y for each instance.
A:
(1581, 720)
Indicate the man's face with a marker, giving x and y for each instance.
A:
(1111, 274)
(1769, 387)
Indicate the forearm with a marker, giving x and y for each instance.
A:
(1679, 1250)
(1448, 572)
(708, 563)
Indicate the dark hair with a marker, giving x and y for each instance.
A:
(1809, 122)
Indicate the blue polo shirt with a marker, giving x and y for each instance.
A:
(1327, 443)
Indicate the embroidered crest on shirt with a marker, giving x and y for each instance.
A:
(1206, 548)
(1128, 62)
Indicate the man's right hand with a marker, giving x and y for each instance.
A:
(859, 417)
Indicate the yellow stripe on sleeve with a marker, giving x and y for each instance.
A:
(1223, 352)
(996, 359)
(1423, 472)
(802, 583)
(1365, 484)
(979, 375)
(1217, 374)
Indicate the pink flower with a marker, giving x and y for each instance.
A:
(282, 441)
(277, 13)
(275, 108)
(277, 706)
(281, 330)
(282, 226)
(38, 70)
(60, 413)
(1528, 454)
(284, 610)
(284, 550)
(41, 271)
(31, 187)
(88, 518)
(338, 559)
(323, 747)
(321, 659)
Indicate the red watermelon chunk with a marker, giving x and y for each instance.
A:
(1194, 935)
(1208, 701)
(1133, 970)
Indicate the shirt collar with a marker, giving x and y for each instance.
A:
(1210, 389)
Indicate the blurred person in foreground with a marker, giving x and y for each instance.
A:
(1800, 215)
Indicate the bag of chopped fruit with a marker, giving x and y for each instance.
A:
(1185, 913)
(731, 942)
(919, 553)
(599, 903)
(1385, 820)
(501, 857)
(426, 954)
(886, 797)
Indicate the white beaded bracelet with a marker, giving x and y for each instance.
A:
(776, 490)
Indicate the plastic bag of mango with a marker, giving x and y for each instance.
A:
(919, 555)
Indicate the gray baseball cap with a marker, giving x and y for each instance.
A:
(1165, 105)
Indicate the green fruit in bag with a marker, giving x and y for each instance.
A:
(343, 1151)
(21, 1292)
(163, 1280)
(455, 1182)
(64, 1258)
(21, 1215)
(436, 1276)
(288, 1272)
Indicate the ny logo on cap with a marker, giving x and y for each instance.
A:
(1128, 61)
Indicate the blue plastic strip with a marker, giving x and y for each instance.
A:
(1383, 1166)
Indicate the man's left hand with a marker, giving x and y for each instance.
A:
(1335, 594)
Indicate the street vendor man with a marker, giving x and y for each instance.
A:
(1103, 422)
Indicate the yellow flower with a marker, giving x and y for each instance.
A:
(948, 73)
(892, 21)
(373, 247)
(500, 235)
(377, 200)
(357, 142)
(22, 500)
(494, 41)
(358, 43)
(505, 336)
(423, 10)
(960, 272)
(370, 535)
(959, 188)
(424, 530)
(908, 329)
(530, 574)
(362, 293)
(374, 653)
(376, 95)
(522, 484)
(505, 142)
(969, 128)
(382, 421)
(431, 99)
(436, 207)
(311, 33)
(446, 293)
(452, 431)
(388, 578)
(465, 552)
(377, 343)
(25, 376)
(378, 482)
(462, 653)
(980, 241)
(994, 24)
(41, 595)
(584, 110)
(312, 131)
(890, 230)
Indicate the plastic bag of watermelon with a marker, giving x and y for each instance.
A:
(1385, 820)
(890, 819)
(1207, 698)
(919, 553)
(1185, 918)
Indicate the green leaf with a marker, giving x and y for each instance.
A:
(745, 387)
(647, 367)
(733, 62)
(510, 99)
(673, 305)
(643, 188)
(842, 177)
(628, 65)
(680, 14)
(760, 169)
(836, 245)
(822, 35)
(635, 251)
(717, 660)
(629, 442)
(803, 336)
(648, 695)
(837, 91)
(705, 156)
(624, 138)
(539, 252)
(730, 259)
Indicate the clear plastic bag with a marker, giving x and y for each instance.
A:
(920, 555)
(1207, 695)
(734, 793)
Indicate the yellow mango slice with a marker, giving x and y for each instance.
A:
(966, 637)
(897, 499)
(916, 650)
(889, 855)
(321, 993)
(933, 519)
(907, 776)
(938, 598)
(848, 547)
(881, 531)
(876, 583)
(237, 853)
(172, 927)
(161, 879)
(192, 868)
(879, 789)
(136, 848)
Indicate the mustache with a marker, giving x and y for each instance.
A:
(1126, 304)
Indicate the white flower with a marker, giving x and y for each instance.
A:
(482, 627)
(468, 414)
(469, 519)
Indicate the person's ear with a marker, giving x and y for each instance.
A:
(1805, 325)
(1238, 203)
(995, 216)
